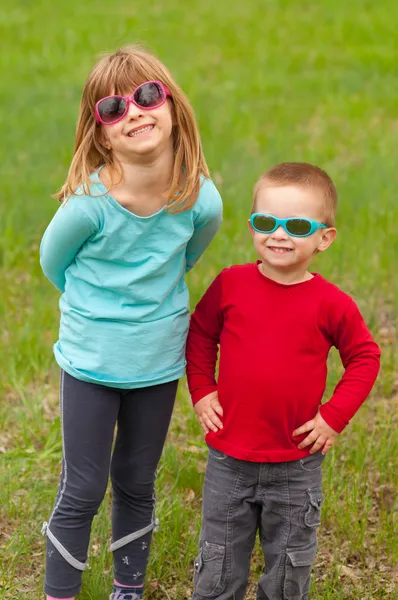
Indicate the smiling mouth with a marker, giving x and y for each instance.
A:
(140, 131)
(279, 250)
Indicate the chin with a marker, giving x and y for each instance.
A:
(283, 260)
(144, 149)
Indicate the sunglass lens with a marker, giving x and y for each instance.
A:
(298, 226)
(264, 223)
(112, 109)
(149, 95)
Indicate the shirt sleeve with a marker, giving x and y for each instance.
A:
(65, 235)
(206, 223)
(202, 344)
(360, 356)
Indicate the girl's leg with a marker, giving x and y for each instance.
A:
(143, 422)
(88, 418)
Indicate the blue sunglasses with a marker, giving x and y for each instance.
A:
(296, 226)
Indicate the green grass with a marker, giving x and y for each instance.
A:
(270, 81)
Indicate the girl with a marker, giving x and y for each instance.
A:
(138, 210)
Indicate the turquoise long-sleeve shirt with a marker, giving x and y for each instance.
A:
(124, 303)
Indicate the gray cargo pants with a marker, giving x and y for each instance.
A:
(282, 501)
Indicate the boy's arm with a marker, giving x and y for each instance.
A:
(206, 224)
(64, 236)
(202, 343)
(360, 356)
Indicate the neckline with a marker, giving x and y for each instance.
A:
(316, 277)
(96, 179)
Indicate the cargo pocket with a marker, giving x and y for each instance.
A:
(208, 570)
(312, 462)
(298, 573)
(310, 515)
(217, 454)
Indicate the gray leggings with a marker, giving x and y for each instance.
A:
(89, 414)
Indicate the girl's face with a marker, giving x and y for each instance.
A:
(141, 134)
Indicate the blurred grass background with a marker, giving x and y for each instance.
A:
(270, 81)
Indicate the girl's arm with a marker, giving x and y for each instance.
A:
(207, 220)
(67, 232)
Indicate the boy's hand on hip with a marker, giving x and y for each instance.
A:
(208, 410)
(321, 436)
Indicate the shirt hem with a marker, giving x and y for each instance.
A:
(114, 383)
(272, 456)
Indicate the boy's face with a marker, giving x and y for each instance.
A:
(279, 250)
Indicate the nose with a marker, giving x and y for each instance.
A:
(280, 234)
(134, 112)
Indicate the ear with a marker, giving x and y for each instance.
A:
(328, 237)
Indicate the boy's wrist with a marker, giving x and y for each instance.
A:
(202, 392)
(332, 418)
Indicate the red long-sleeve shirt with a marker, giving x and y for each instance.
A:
(274, 341)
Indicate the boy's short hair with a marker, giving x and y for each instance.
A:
(302, 175)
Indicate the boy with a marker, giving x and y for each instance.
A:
(267, 431)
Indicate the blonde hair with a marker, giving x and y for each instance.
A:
(303, 175)
(120, 73)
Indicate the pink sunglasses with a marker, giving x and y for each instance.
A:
(148, 95)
